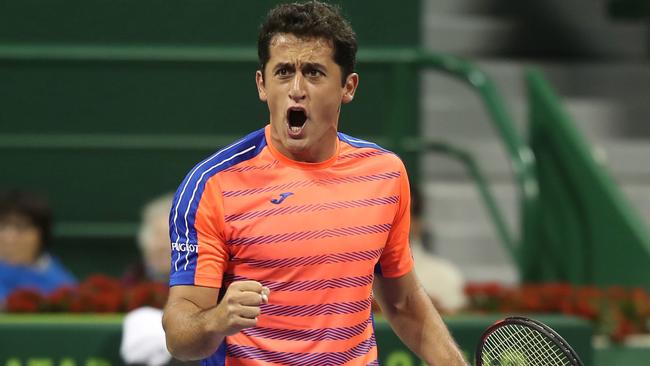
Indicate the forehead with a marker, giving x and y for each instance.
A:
(289, 48)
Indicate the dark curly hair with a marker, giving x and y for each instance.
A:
(312, 19)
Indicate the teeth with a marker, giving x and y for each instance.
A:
(296, 129)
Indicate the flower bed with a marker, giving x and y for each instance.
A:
(97, 294)
(616, 312)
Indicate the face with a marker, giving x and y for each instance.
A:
(302, 87)
(155, 250)
(20, 240)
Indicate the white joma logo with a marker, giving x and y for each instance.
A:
(182, 247)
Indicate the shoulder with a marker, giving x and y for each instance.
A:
(359, 148)
(191, 189)
(241, 150)
(56, 271)
(360, 143)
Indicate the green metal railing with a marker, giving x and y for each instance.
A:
(466, 158)
(520, 155)
(590, 232)
(405, 63)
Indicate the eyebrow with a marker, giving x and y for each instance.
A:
(306, 65)
(313, 65)
(281, 65)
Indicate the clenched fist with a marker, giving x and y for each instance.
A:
(240, 306)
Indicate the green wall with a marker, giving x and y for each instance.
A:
(93, 340)
(106, 104)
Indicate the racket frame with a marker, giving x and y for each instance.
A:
(545, 330)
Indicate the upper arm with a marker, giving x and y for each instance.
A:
(396, 259)
(394, 292)
(199, 251)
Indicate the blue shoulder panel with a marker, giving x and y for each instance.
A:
(186, 202)
(353, 141)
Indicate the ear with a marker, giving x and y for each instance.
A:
(350, 87)
(261, 90)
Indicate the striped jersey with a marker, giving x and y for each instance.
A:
(316, 234)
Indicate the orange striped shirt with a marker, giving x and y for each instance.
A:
(316, 234)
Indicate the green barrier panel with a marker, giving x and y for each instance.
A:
(97, 185)
(102, 73)
(589, 233)
(94, 340)
(96, 94)
(117, 144)
(60, 340)
(158, 91)
(621, 355)
(180, 68)
(187, 22)
(86, 254)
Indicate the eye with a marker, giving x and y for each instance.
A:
(314, 73)
(283, 71)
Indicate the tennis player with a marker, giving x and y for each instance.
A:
(279, 239)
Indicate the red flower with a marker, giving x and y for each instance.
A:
(108, 302)
(493, 289)
(24, 301)
(616, 311)
(147, 294)
(60, 299)
(97, 294)
(591, 292)
(585, 309)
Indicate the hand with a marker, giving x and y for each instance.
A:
(240, 306)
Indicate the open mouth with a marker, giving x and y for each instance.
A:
(296, 118)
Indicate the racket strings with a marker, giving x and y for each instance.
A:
(518, 345)
(546, 351)
(507, 351)
(525, 347)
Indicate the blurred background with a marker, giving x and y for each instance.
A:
(524, 126)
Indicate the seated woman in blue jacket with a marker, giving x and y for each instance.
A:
(25, 233)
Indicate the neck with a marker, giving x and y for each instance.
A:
(317, 151)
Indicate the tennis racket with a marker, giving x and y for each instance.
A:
(519, 341)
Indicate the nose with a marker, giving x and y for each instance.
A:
(297, 90)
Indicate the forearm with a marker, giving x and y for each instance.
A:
(188, 331)
(421, 328)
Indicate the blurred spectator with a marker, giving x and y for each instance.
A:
(25, 235)
(440, 278)
(143, 338)
(154, 243)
